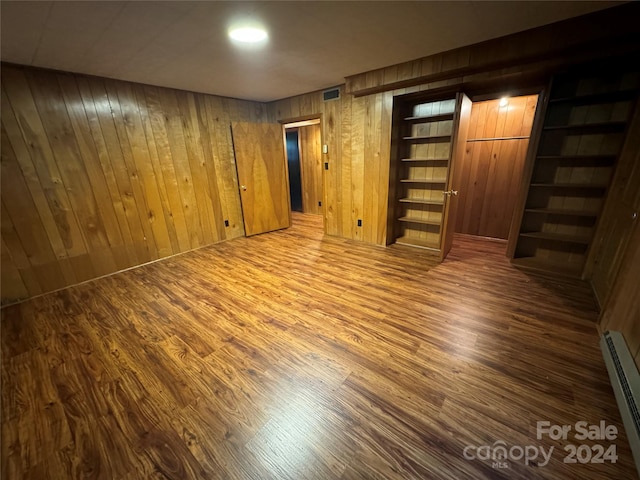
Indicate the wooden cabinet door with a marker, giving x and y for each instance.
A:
(262, 175)
(458, 144)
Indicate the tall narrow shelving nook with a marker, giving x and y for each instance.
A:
(421, 184)
(580, 139)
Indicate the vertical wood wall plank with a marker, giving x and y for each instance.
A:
(491, 170)
(99, 175)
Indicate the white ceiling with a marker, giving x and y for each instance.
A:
(313, 45)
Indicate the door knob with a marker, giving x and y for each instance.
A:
(243, 187)
(450, 192)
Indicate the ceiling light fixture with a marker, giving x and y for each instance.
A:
(248, 34)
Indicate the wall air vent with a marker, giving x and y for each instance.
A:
(331, 94)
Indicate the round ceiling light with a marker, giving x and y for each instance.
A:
(248, 34)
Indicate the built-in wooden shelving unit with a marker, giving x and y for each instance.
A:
(580, 138)
(425, 132)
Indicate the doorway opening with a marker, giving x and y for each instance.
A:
(491, 169)
(304, 160)
(293, 163)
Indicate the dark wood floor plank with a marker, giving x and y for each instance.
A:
(297, 355)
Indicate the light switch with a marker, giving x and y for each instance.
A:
(325, 148)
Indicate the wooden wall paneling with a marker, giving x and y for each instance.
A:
(358, 112)
(92, 105)
(358, 139)
(57, 127)
(371, 168)
(196, 158)
(127, 128)
(345, 189)
(555, 45)
(18, 257)
(14, 145)
(164, 168)
(385, 164)
(123, 178)
(161, 186)
(225, 166)
(179, 155)
(88, 153)
(104, 175)
(26, 127)
(379, 162)
(11, 282)
(22, 228)
(622, 310)
(332, 130)
(617, 221)
(212, 193)
(143, 167)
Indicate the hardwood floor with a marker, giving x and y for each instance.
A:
(293, 356)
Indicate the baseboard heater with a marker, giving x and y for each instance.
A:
(625, 381)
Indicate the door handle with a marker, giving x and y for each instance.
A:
(448, 193)
(243, 187)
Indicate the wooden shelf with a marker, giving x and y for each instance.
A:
(414, 242)
(534, 263)
(421, 201)
(580, 158)
(420, 221)
(558, 237)
(421, 173)
(604, 117)
(586, 127)
(595, 98)
(425, 159)
(569, 185)
(431, 118)
(559, 211)
(429, 138)
(423, 180)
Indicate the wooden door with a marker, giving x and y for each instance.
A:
(311, 168)
(493, 164)
(458, 142)
(262, 175)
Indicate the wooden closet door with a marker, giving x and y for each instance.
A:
(458, 143)
(262, 175)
